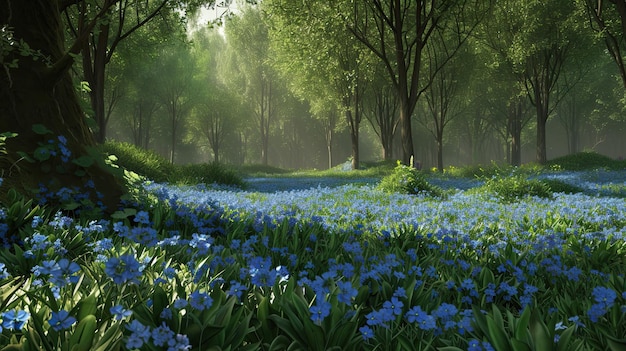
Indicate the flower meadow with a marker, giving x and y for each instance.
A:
(321, 267)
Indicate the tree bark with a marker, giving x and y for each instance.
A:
(41, 92)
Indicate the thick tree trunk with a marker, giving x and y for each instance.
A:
(41, 92)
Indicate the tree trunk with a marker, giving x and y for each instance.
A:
(542, 118)
(515, 132)
(41, 92)
(406, 132)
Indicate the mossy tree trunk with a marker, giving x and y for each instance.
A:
(40, 91)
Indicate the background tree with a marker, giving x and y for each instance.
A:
(248, 36)
(397, 31)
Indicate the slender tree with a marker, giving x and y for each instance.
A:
(397, 32)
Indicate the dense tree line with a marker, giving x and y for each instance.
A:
(289, 83)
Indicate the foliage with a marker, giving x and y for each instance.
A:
(408, 180)
(347, 268)
(144, 162)
(209, 173)
(559, 186)
(155, 168)
(585, 161)
(514, 187)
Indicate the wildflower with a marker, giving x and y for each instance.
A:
(180, 303)
(604, 296)
(366, 332)
(348, 292)
(120, 312)
(123, 269)
(142, 217)
(394, 305)
(61, 320)
(3, 271)
(14, 319)
(180, 343)
(319, 311)
(474, 345)
(140, 334)
(200, 300)
(162, 335)
(445, 311)
(236, 289)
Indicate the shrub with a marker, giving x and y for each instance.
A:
(143, 162)
(559, 186)
(585, 161)
(512, 188)
(209, 173)
(408, 180)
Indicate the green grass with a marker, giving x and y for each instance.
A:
(152, 166)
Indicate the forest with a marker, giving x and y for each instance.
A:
(312, 85)
(304, 84)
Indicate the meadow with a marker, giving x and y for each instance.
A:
(504, 259)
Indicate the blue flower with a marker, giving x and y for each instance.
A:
(366, 332)
(474, 345)
(319, 311)
(142, 217)
(162, 335)
(180, 303)
(604, 296)
(348, 292)
(123, 269)
(14, 319)
(180, 343)
(236, 289)
(140, 334)
(200, 300)
(61, 320)
(119, 312)
(394, 305)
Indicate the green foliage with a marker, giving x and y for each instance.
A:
(585, 161)
(408, 180)
(143, 162)
(512, 188)
(148, 164)
(208, 173)
(558, 186)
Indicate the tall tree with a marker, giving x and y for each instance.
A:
(397, 31)
(120, 19)
(36, 89)
(608, 18)
(247, 34)
(327, 68)
(176, 89)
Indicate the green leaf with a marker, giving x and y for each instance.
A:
(616, 344)
(41, 129)
(41, 153)
(84, 161)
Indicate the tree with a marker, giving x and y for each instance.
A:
(120, 19)
(329, 68)
(608, 18)
(248, 36)
(36, 89)
(176, 88)
(397, 32)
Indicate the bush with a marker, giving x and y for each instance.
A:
(559, 186)
(143, 162)
(209, 173)
(585, 161)
(512, 188)
(408, 180)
